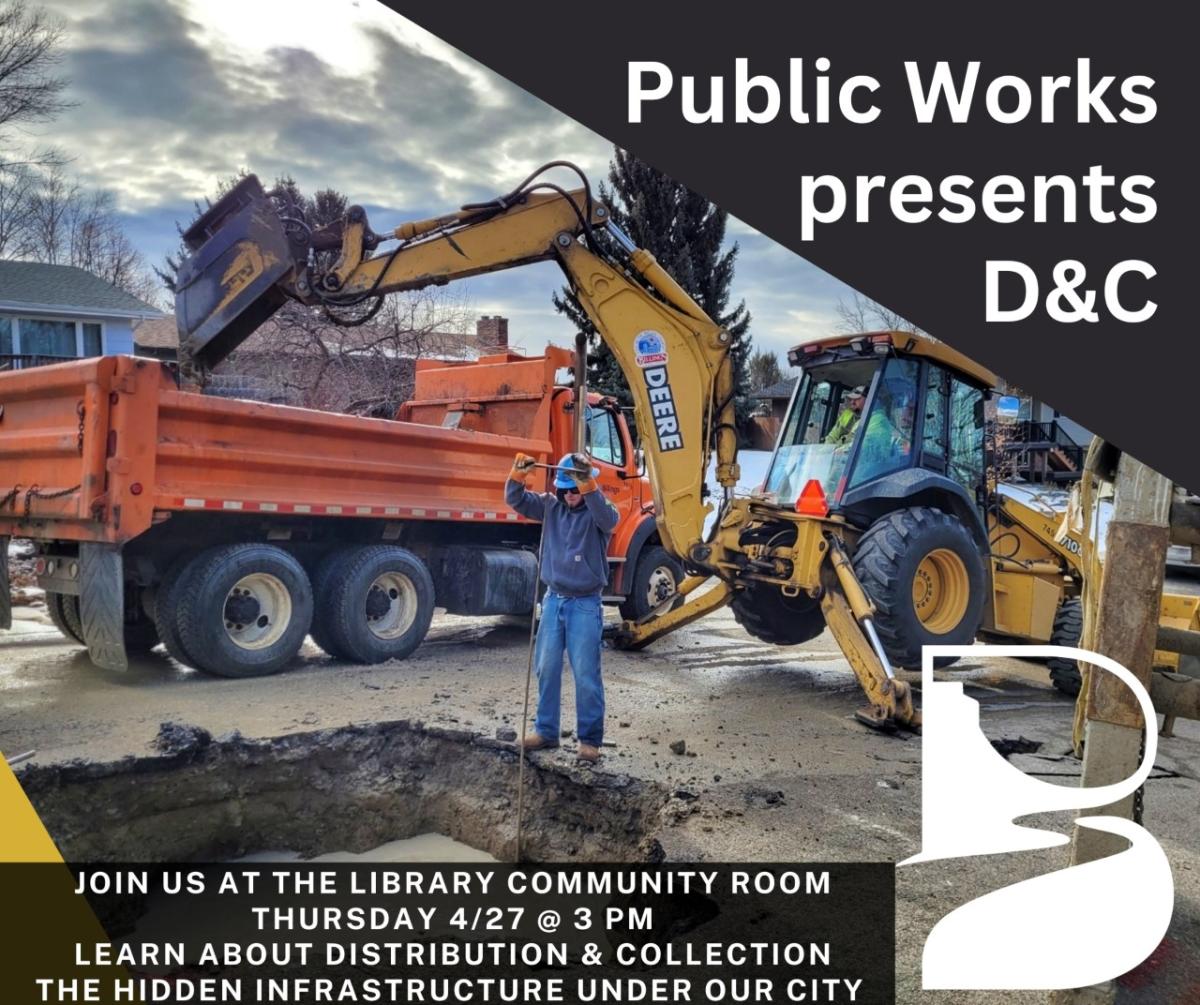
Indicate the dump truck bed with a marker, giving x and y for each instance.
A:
(100, 449)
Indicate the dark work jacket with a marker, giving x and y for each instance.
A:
(575, 546)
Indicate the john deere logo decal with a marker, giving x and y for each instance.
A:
(649, 349)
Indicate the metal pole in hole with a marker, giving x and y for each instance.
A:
(528, 678)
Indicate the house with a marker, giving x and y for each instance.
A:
(763, 427)
(50, 313)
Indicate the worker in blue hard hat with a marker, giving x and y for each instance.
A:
(577, 522)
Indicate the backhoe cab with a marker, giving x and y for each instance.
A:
(903, 493)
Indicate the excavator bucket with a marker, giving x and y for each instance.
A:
(238, 252)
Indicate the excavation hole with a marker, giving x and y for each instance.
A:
(356, 789)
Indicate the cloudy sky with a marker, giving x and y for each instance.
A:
(173, 96)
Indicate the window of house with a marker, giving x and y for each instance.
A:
(48, 338)
(6, 337)
(93, 345)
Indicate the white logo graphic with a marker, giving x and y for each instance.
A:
(649, 349)
(971, 796)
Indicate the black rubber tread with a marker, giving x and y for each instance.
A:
(175, 585)
(635, 606)
(323, 602)
(885, 562)
(1067, 631)
(200, 610)
(56, 604)
(764, 612)
(141, 633)
(63, 608)
(347, 592)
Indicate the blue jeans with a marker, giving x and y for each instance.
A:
(574, 624)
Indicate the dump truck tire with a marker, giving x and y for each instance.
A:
(923, 572)
(656, 578)
(63, 608)
(380, 604)
(246, 610)
(323, 602)
(764, 612)
(1067, 631)
(56, 607)
(174, 586)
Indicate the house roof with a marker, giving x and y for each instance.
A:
(781, 390)
(65, 289)
(156, 333)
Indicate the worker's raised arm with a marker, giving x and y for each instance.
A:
(519, 498)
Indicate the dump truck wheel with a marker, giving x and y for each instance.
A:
(767, 614)
(922, 571)
(246, 610)
(323, 603)
(380, 604)
(63, 608)
(656, 579)
(141, 634)
(56, 607)
(175, 585)
(1067, 631)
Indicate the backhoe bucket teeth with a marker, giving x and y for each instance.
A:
(238, 252)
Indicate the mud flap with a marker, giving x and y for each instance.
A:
(102, 604)
(5, 590)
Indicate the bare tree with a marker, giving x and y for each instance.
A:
(29, 52)
(862, 314)
(301, 355)
(47, 217)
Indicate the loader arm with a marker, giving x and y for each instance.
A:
(246, 262)
(675, 358)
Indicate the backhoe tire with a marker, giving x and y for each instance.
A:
(57, 607)
(923, 572)
(246, 610)
(656, 579)
(1067, 631)
(379, 604)
(767, 614)
(324, 602)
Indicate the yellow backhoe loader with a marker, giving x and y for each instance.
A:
(884, 536)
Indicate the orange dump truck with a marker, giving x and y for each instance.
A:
(229, 530)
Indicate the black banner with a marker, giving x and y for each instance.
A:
(1083, 109)
(467, 932)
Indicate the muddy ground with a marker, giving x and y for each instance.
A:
(774, 768)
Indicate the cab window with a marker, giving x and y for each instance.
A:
(604, 438)
(886, 436)
(966, 435)
(933, 436)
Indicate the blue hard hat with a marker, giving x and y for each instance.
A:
(562, 480)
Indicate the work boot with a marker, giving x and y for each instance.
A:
(588, 753)
(531, 741)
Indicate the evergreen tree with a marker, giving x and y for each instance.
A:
(325, 207)
(763, 369)
(685, 232)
